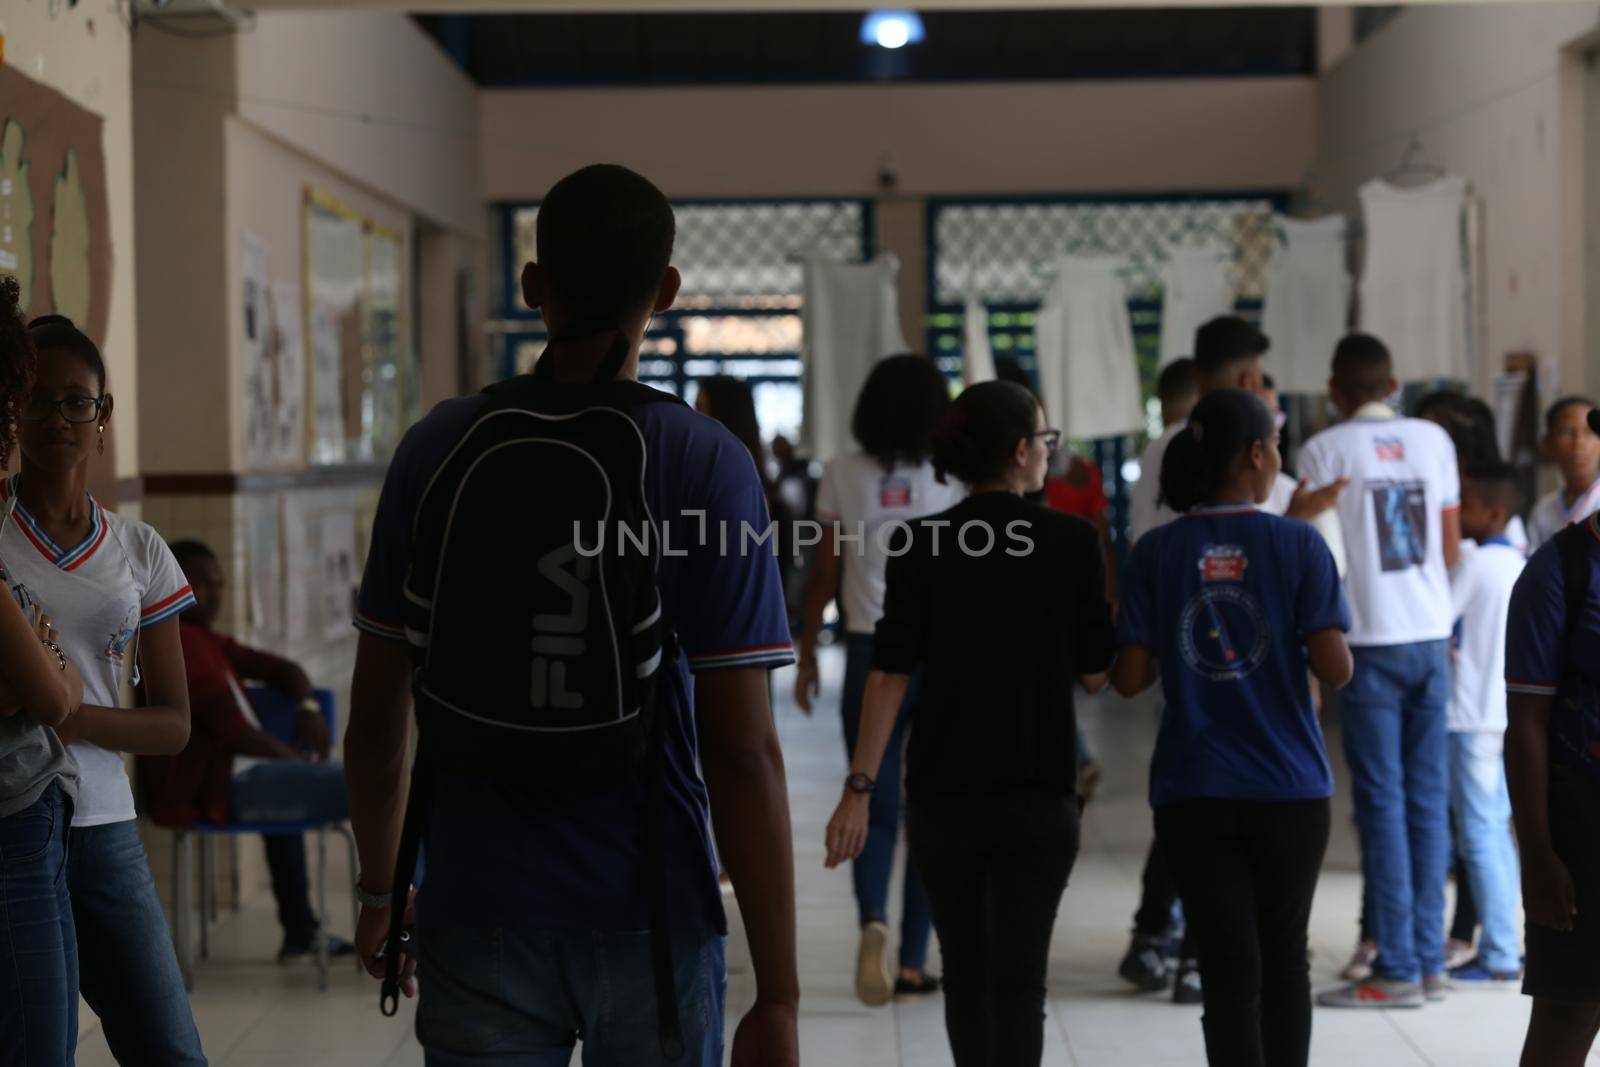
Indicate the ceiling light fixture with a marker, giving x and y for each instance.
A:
(892, 28)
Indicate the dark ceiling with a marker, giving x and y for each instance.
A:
(788, 47)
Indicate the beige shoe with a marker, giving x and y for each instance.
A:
(1359, 969)
(873, 984)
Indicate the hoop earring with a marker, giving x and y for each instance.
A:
(102, 448)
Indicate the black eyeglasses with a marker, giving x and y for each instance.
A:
(75, 409)
(1052, 439)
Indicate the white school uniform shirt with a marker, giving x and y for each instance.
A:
(1145, 512)
(1552, 515)
(1403, 477)
(862, 497)
(100, 593)
(1480, 593)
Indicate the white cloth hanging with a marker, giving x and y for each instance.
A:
(1083, 341)
(1307, 305)
(977, 357)
(1415, 281)
(1195, 288)
(851, 320)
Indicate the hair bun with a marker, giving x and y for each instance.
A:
(52, 320)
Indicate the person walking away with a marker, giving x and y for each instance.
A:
(890, 480)
(1553, 770)
(1230, 606)
(1401, 516)
(993, 820)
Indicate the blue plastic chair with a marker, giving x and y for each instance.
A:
(276, 713)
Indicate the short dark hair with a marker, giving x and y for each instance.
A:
(1363, 367)
(57, 333)
(185, 552)
(1007, 369)
(1224, 342)
(898, 408)
(1178, 381)
(1497, 483)
(604, 238)
(978, 434)
(1469, 422)
(1560, 407)
(1198, 460)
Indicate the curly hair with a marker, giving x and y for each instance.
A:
(16, 362)
(898, 408)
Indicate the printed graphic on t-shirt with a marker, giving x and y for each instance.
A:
(1401, 511)
(116, 649)
(1389, 449)
(1223, 633)
(894, 492)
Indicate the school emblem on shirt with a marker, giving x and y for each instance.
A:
(1389, 449)
(894, 493)
(1223, 563)
(116, 649)
(1223, 633)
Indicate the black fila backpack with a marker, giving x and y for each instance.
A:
(533, 613)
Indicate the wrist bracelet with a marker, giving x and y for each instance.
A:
(61, 657)
(372, 900)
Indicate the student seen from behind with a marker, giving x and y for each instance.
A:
(1230, 605)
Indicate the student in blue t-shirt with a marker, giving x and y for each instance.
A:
(533, 920)
(1233, 604)
(1553, 771)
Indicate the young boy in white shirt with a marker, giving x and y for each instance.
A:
(1574, 448)
(1480, 587)
(1401, 522)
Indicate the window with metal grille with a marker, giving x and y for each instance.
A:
(738, 312)
(1001, 250)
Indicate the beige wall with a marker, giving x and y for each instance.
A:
(84, 52)
(943, 139)
(1483, 88)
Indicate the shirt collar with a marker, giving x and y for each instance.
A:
(1375, 411)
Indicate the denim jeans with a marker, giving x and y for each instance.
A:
(129, 971)
(1482, 809)
(38, 947)
(1393, 717)
(875, 866)
(290, 791)
(526, 997)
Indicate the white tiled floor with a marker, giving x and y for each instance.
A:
(254, 1014)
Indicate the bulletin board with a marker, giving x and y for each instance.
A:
(361, 367)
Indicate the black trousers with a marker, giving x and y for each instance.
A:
(1157, 895)
(1247, 871)
(995, 868)
(286, 859)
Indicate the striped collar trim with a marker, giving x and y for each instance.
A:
(1223, 509)
(67, 559)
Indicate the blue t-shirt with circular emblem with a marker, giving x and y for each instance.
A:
(1225, 599)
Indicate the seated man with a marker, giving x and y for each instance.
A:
(232, 770)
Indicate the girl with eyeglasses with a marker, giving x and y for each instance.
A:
(115, 592)
(40, 688)
(1233, 604)
(1002, 605)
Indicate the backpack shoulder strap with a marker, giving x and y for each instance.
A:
(1572, 544)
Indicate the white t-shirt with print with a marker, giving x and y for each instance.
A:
(1403, 478)
(1480, 589)
(862, 497)
(1552, 515)
(100, 593)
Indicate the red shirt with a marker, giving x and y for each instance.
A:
(1081, 493)
(194, 786)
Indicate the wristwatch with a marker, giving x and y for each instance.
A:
(372, 900)
(860, 783)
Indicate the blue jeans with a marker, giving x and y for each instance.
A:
(525, 997)
(129, 970)
(1393, 717)
(290, 791)
(875, 866)
(38, 947)
(1482, 809)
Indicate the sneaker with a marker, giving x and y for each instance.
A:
(1458, 954)
(338, 948)
(1475, 974)
(1145, 965)
(1187, 989)
(1434, 987)
(1359, 969)
(916, 987)
(874, 987)
(1374, 993)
